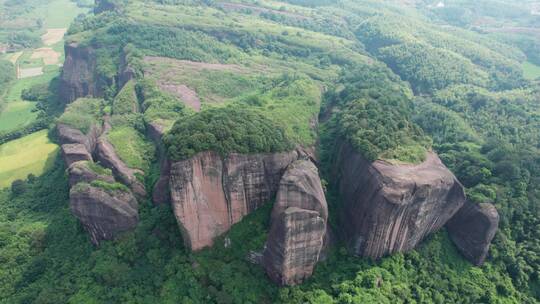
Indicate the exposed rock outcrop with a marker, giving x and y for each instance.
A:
(72, 153)
(79, 77)
(80, 172)
(107, 156)
(70, 135)
(390, 208)
(472, 229)
(103, 213)
(210, 193)
(298, 225)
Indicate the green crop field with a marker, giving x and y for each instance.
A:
(58, 13)
(31, 154)
(531, 70)
(17, 112)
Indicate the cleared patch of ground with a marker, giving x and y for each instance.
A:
(53, 36)
(48, 55)
(33, 154)
(184, 93)
(29, 72)
(197, 83)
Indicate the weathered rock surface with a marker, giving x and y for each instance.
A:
(107, 156)
(472, 229)
(72, 153)
(80, 172)
(210, 193)
(79, 78)
(70, 135)
(390, 208)
(104, 214)
(298, 225)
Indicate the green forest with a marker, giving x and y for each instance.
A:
(394, 79)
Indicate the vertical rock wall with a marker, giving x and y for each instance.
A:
(298, 225)
(390, 208)
(210, 193)
(472, 229)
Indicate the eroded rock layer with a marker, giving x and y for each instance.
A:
(298, 225)
(472, 229)
(103, 213)
(210, 193)
(390, 208)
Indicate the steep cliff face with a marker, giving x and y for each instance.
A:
(104, 214)
(210, 193)
(79, 78)
(472, 229)
(390, 208)
(298, 225)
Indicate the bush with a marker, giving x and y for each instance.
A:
(18, 187)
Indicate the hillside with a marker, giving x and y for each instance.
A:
(270, 152)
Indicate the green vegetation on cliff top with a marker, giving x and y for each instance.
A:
(83, 113)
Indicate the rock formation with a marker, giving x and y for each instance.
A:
(74, 152)
(107, 156)
(80, 172)
(390, 208)
(210, 193)
(79, 77)
(103, 213)
(472, 228)
(70, 135)
(298, 225)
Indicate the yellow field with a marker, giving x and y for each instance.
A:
(33, 153)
